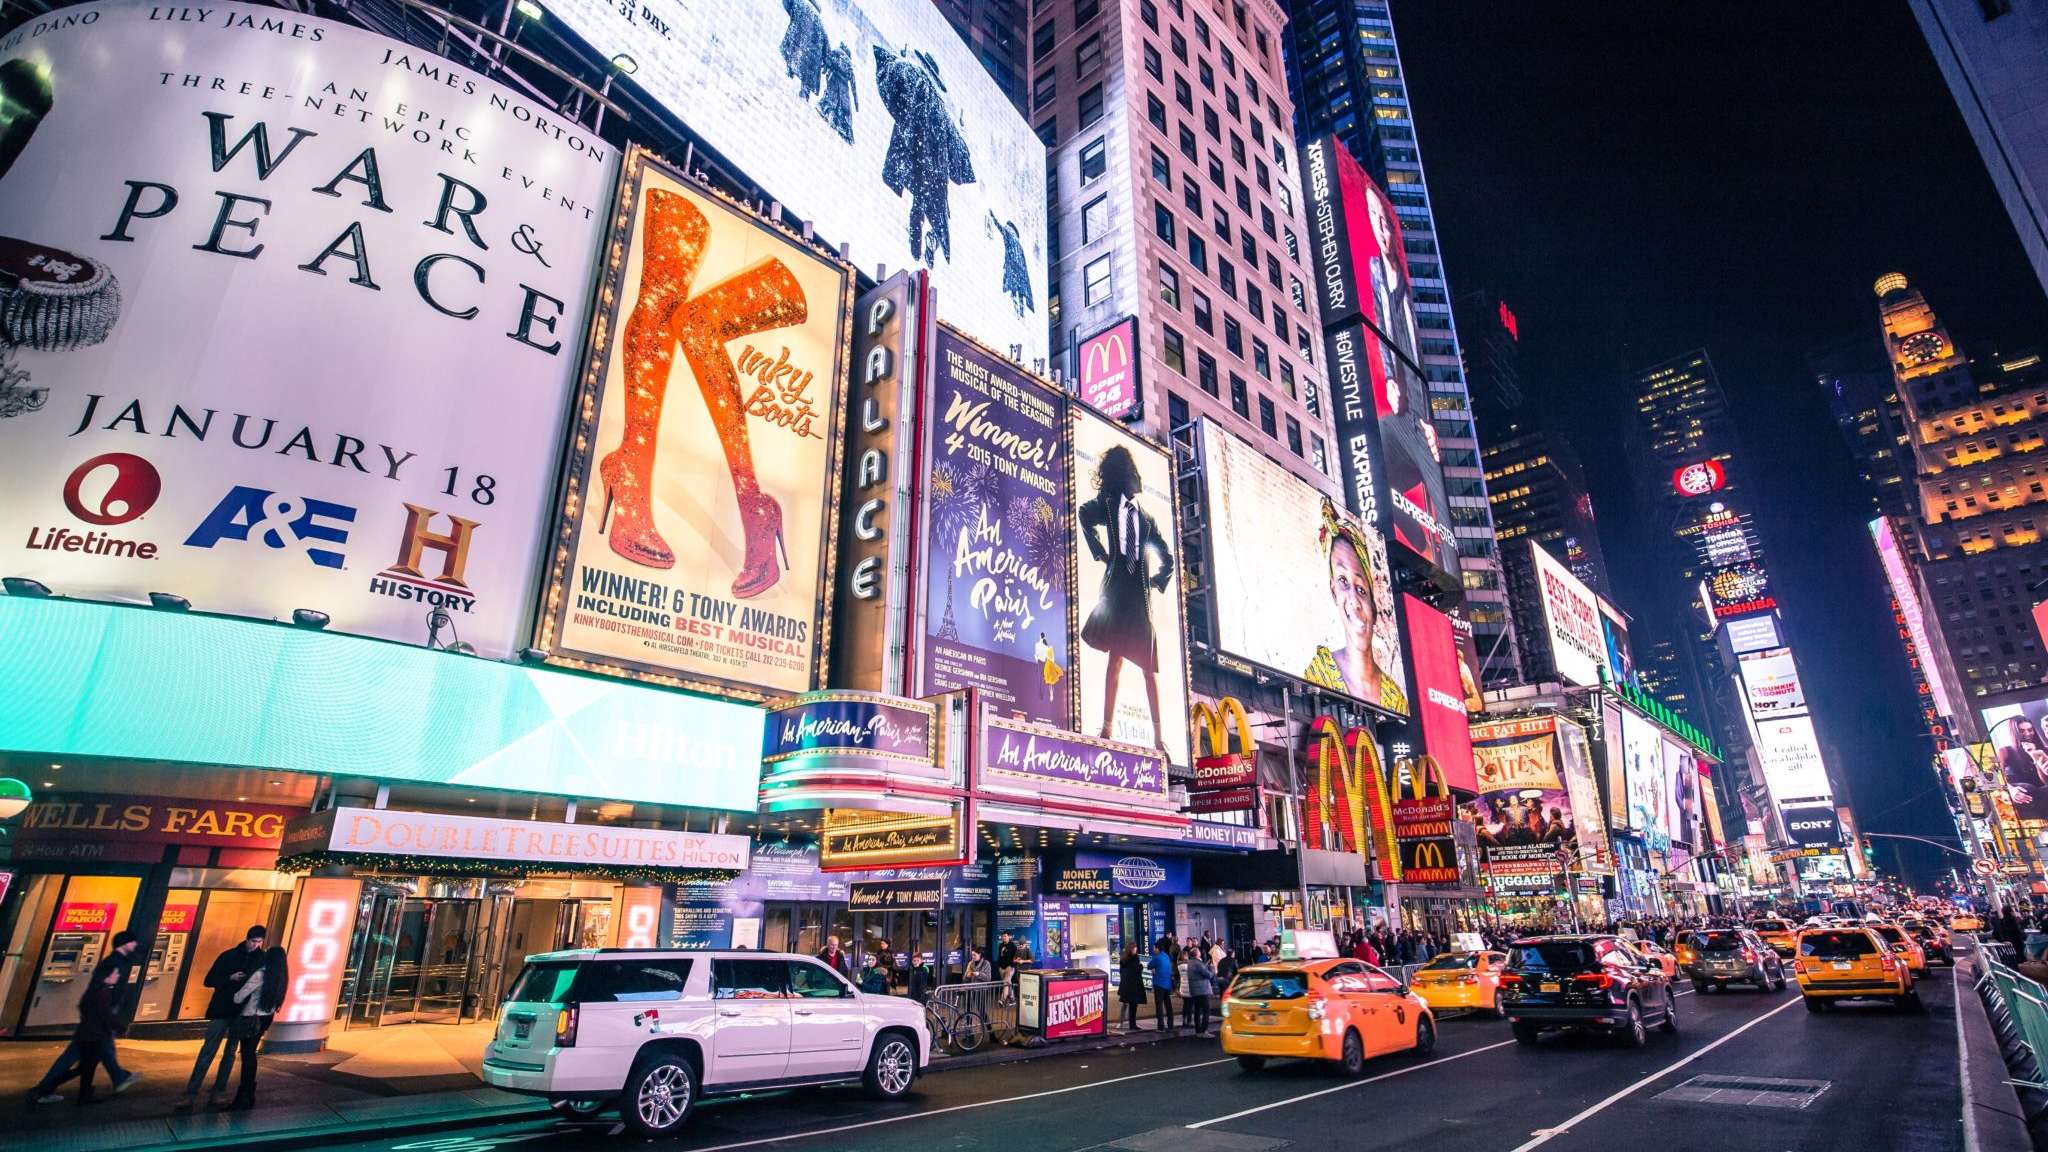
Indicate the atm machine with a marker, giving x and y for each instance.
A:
(67, 961)
(160, 977)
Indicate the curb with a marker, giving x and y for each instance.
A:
(539, 1109)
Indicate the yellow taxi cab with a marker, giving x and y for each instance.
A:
(1336, 1009)
(1851, 962)
(1965, 922)
(1902, 943)
(1456, 980)
(1778, 933)
(1658, 956)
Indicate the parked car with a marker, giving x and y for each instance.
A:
(1341, 1010)
(1851, 963)
(1456, 980)
(1714, 958)
(657, 1031)
(1590, 982)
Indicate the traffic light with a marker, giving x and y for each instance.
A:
(1870, 855)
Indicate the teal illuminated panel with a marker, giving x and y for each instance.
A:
(80, 679)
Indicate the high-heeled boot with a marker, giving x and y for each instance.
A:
(764, 297)
(672, 245)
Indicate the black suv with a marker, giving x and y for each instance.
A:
(1587, 982)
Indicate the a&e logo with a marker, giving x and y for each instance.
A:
(302, 525)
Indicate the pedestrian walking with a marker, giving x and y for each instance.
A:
(922, 978)
(257, 1000)
(1162, 985)
(1188, 951)
(1201, 986)
(226, 976)
(1006, 958)
(92, 1041)
(1130, 986)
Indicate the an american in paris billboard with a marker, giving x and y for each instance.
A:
(269, 354)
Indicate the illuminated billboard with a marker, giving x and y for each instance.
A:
(268, 368)
(1524, 813)
(1739, 590)
(1770, 680)
(1907, 592)
(1439, 697)
(1752, 633)
(1790, 752)
(1699, 478)
(1681, 793)
(1620, 661)
(2019, 738)
(1106, 372)
(872, 120)
(1298, 585)
(1643, 760)
(1571, 618)
(1132, 657)
(695, 542)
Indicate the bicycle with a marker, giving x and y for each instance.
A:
(957, 1028)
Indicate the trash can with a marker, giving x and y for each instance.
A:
(1061, 1003)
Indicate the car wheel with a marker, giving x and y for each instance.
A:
(1425, 1036)
(1815, 1005)
(659, 1095)
(1670, 1022)
(1525, 1032)
(1353, 1060)
(1251, 1063)
(1635, 1035)
(892, 1067)
(1912, 1002)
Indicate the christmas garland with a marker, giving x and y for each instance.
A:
(306, 862)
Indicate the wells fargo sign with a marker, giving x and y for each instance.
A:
(105, 827)
(1348, 804)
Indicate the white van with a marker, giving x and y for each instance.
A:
(654, 1031)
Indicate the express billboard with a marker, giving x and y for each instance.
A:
(1790, 752)
(1770, 680)
(1571, 619)
(1439, 697)
(695, 541)
(265, 356)
(872, 120)
(1132, 658)
(998, 542)
(1297, 584)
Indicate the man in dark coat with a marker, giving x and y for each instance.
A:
(804, 46)
(225, 977)
(92, 1042)
(927, 151)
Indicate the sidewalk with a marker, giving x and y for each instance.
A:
(381, 1081)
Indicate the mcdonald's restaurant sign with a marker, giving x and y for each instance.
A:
(1226, 780)
(1423, 815)
(1348, 803)
(1106, 367)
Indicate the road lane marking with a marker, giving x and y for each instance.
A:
(1349, 1085)
(956, 1108)
(1543, 1136)
(1955, 972)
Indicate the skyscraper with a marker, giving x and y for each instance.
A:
(1538, 491)
(1173, 199)
(994, 29)
(1994, 55)
(1345, 74)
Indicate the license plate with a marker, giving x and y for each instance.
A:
(522, 1027)
(1265, 1017)
(1552, 987)
(1843, 966)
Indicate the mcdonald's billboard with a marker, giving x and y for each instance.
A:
(1106, 371)
(1348, 804)
(1423, 817)
(1226, 779)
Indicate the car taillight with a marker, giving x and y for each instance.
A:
(1510, 979)
(1468, 978)
(1885, 959)
(1798, 967)
(1748, 954)
(1317, 1007)
(1594, 980)
(565, 1028)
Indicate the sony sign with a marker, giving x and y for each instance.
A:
(1812, 826)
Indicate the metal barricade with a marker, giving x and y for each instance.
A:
(2025, 1003)
(993, 1000)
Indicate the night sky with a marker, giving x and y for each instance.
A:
(1637, 181)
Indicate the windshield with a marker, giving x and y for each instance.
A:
(1717, 941)
(1773, 926)
(1552, 955)
(1270, 984)
(545, 982)
(1891, 934)
(1842, 945)
(1452, 961)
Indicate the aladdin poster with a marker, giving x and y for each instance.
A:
(1524, 811)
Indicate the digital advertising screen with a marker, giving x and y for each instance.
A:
(1523, 814)
(1299, 586)
(1682, 793)
(1790, 752)
(871, 119)
(1571, 619)
(2019, 739)
(1439, 699)
(1771, 681)
(1621, 663)
(1648, 791)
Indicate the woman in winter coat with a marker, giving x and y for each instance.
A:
(1130, 986)
(1201, 986)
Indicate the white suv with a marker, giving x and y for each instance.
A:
(657, 1030)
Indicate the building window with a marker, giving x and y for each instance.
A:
(1084, 11)
(1294, 290)
(1240, 397)
(1191, 195)
(1049, 132)
(1226, 277)
(1268, 418)
(1202, 316)
(1254, 300)
(1043, 90)
(1178, 44)
(1232, 110)
(1169, 286)
(1248, 248)
(1262, 358)
(1162, 169)
(1182, 94)
(1091, 105)
(1293, 245)
(1205, 371)
(1198, 253)
(1155, 111)
(1172, 349)
(1202, 31)
(1094, 159)
(1176, 411)
(1317, 456)
(1041, 40)
(1187, 143)
(1096, 277)
(1287, 386)
(1233, 337)
(1095, 220)
(1266, 223)
(1216, 170)
(1206, 75)
(1162, 222)
(1273, 271)
(1088, 57)
(1279, 321)
(1154, 65)
(1222, 222)
(1211, 124)
(1237, 148)
(1294, 435)
(1149, 13)
(1302, 345)
(1244, 196)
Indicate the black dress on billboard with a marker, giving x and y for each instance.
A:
(839, 99)
(1121, 621)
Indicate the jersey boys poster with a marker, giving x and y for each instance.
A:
(997, 538)
(697, 516)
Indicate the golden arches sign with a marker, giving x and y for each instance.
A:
(1205, 720)
(1425, 777)
(1348, 789)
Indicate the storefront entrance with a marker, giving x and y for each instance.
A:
(415, 959)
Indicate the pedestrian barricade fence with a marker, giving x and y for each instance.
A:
(992, 1002)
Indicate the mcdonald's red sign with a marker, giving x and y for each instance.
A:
(1106, 366)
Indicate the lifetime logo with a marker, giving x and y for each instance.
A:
(111, 488)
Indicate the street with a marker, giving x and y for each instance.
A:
(1874, 1077)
